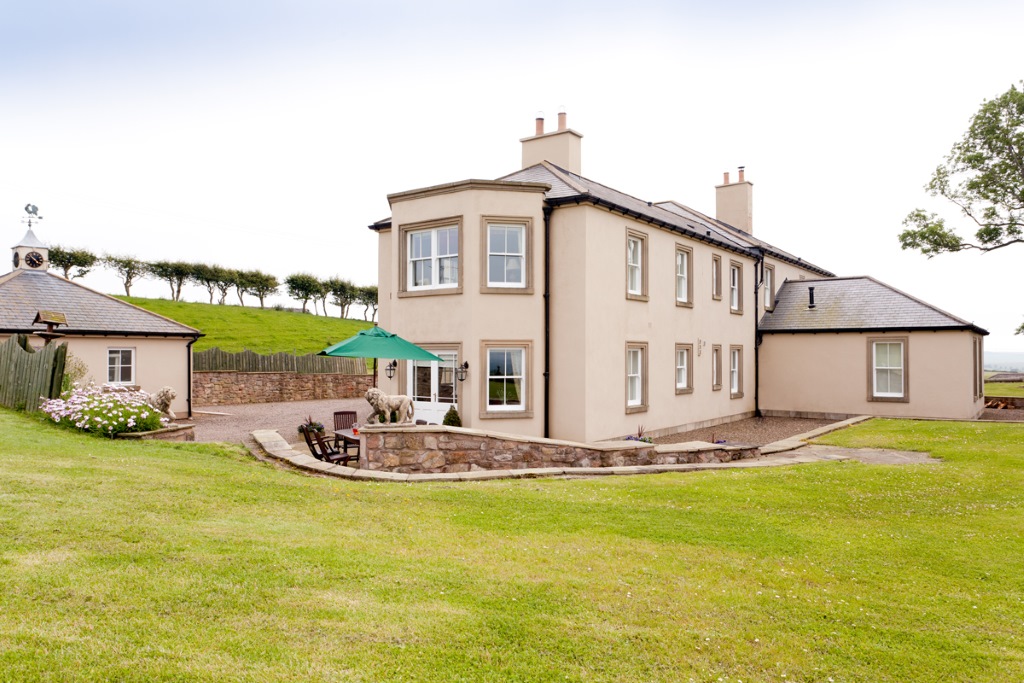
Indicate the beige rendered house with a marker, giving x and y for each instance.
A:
(584, 312)
(120, 343)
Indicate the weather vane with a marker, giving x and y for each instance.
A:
(33, 215)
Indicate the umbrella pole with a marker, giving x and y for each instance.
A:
(374, 372)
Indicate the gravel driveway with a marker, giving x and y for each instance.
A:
(234, 423)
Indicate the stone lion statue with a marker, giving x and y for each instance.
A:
(162, 399)
(383, 405)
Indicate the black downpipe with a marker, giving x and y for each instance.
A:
(547, 319)
(758, 267)
(188, 365)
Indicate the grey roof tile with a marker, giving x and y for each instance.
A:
(853, 303)
(23, 293)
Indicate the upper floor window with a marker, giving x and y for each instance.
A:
(769, 287)
(684, 291)
(506, 255)
(433, 258)
(716, 276)
(636, 273)
(735, 287)
(121, 366)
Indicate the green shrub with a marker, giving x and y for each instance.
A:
(451, 418)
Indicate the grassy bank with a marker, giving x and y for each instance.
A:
(234, 328)
(193, 562)
(1004, 389)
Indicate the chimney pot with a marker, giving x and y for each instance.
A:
(561, 119)
(725, 178)
(810, 297)
(540, 123)
(741, 173)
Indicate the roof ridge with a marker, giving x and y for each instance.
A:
(564, 176)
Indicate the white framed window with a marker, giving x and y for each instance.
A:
(684, 293)
(888, 365)
(121, 366)
(634, 266)
(769, 287)
(636, 362)
(684, 368)
(735, 287)
(506, 255)
(736, 371)
(716, 367)
(506, 379)
(433, 258)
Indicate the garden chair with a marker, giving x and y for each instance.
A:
(343, 419)
(323, 451)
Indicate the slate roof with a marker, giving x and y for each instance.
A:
(854, 304)
(31, 241)
(568, 188)
(23, 293)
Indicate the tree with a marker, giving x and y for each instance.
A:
(983, 175)
(66, 259)
(260, 284)
(207, 276)
(368, 298)
(127, 268)
(174, 273)
(240, 279)
(302, 287)
(225, 283)
(321, 294)
(343, 294)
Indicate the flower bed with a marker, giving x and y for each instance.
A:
(108, 410)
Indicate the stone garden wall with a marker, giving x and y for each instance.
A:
(226, 388)
(439, 449)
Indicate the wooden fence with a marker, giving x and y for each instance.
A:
(27, 375)
(215, 360)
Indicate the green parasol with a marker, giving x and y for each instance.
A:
(376, 342)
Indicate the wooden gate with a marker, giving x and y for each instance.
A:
(28, 376)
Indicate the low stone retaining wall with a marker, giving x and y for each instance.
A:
(226, 388)
(439, 449)
(173, 432)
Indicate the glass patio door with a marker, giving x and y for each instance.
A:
(432, 386)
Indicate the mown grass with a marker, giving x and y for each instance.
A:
(1004, 389)
(193, 562)
(235, 328)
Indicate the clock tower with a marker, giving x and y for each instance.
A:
(30, 253)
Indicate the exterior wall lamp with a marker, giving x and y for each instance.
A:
(390, 368)
(460, 371)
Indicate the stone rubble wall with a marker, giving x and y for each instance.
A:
(433, 449)
(227, 388)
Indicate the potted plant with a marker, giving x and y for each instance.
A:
(311, 425)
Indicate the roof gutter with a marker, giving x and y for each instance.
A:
(837, 330)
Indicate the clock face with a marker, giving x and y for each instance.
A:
(33, 259)
(17, 259)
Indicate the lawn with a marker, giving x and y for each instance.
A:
(1004, 389)
(235, 328)
(151, 561)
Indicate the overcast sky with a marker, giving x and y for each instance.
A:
(266, 135)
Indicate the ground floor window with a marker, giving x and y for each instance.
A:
(121, 366)
(506, 378)
(979, 368)
(888, 362)
(716, 367)
(684, 368)
(736, 371)
(636, 377)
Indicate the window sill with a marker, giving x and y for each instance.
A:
(889, 399)
(505, 414)
(739, 395)
(441, 291)
(680, 392)
(636, 409)
(716, 387)
(684, 304)
(637, 297)
(506, 290)
(736, 311)
(716, 297)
